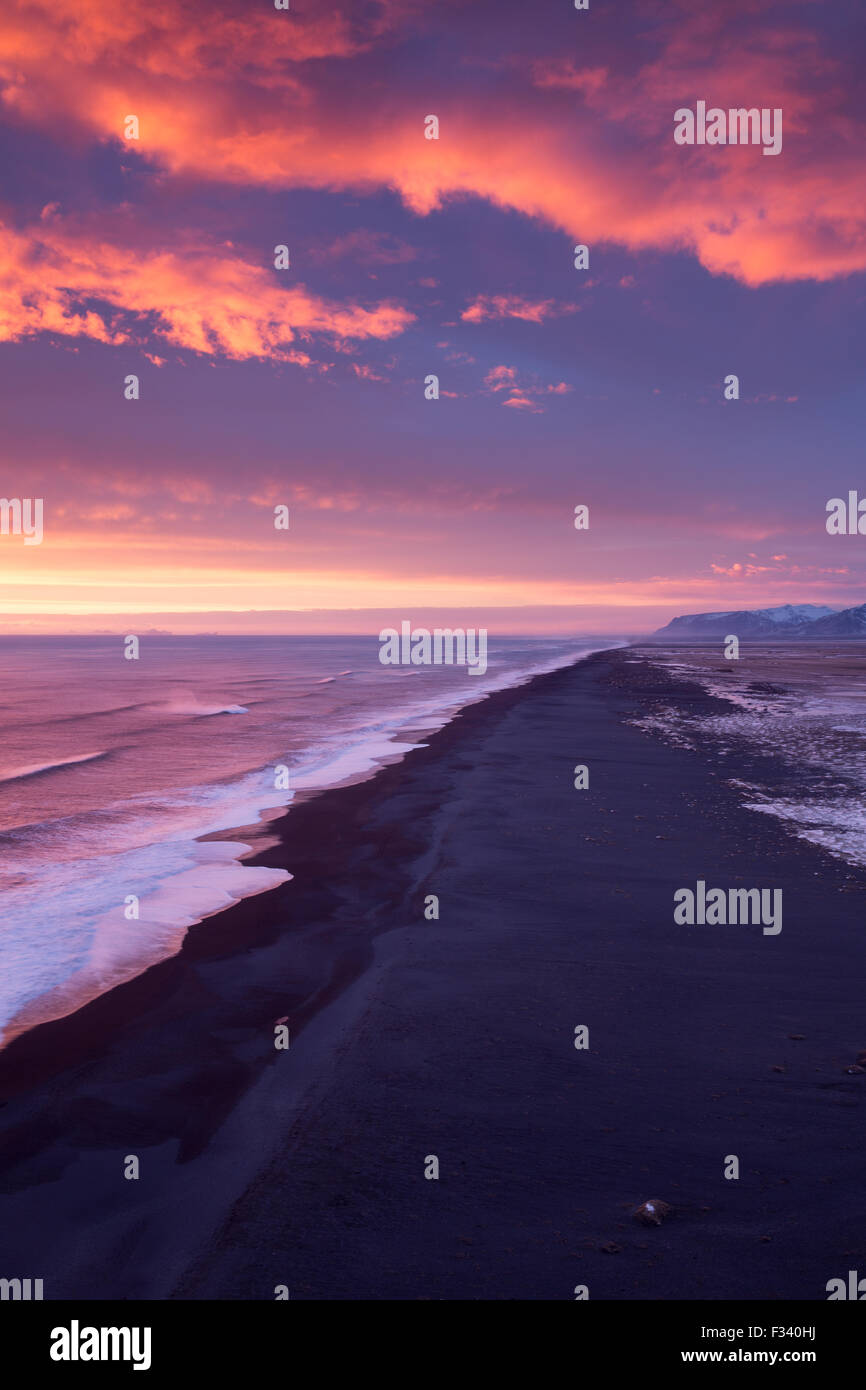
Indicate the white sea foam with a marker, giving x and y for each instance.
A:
(840, 829)
(794, 716)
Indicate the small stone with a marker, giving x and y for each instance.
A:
(652, 1212)
(611, 1248)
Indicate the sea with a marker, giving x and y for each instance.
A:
(112, 771)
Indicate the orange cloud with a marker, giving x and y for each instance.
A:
(248, 100)
(165, 39)
(62, 279)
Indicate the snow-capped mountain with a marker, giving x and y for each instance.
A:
(792, 613)
(789, 620)
(851, 622)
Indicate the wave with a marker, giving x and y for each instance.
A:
(198, 710)
(78, 718)
(39, 768)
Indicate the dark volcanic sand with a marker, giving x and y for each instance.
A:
(455, 1038)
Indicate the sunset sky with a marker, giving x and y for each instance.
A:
(410, 256)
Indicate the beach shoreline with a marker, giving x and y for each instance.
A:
(454, 1037)
(116, 870)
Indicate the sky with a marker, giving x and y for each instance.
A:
(304, 386)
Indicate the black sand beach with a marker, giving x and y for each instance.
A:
(454, 1038)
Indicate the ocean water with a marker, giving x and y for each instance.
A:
(802, 704)
(111, 771)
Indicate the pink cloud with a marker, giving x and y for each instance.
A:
(501, 379)
(521, 394)
(366, 373)
(562, 73)
(513, 306)
(366, 248)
